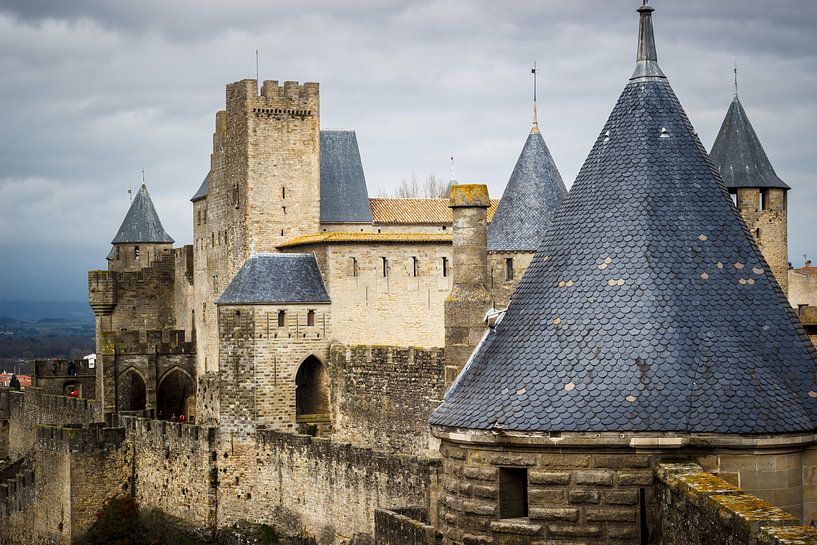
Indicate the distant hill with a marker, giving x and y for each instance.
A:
(33, 311)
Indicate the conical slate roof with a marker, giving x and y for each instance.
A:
(738, 154)
(203, 189)
(534, 192)
(141, 223)
(648, 306)
(344, 197)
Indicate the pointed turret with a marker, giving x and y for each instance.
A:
(141, 223)
(648, 307)
(141, 239)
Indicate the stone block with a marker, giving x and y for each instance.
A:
(574, 530)
(477, 507)
(553, 496)
(520, 527)
(484, 491)
(474, 539)
(560, 461)
(554, 513)
(594, 477)
(635, 478)
(621, 461)
(479, 473)
(611, 514)
(583, 496)
(617, 531)
(548, 477)
(621, 497)
(505, 459)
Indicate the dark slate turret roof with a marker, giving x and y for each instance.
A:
(344, 197)
(276, 279)
(648, 306)
(141, 223)
(534, 192)
(738, 154)
(204, 188)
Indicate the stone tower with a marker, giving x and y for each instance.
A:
(263, 188)
(760, 193)
(469, 300)
(646, 328)
(141, 239)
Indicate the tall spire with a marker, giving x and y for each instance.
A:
(646, 58)
(535, 127)
(736, 79)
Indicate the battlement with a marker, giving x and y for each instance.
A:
(290, 99)
(130, 341)
(47, 406)
(184, 261)
(62, 368)
(16, 486)
(102, 292)
(74, 439)
(163, 433)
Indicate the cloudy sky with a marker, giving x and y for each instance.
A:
(92, 91)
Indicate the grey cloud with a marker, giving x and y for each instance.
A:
(93, 92)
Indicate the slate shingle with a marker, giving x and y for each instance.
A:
(648, 306)
(739, 155)
(344, 197)
(141, 223)
(276, 279)
(534, 192)
(204, 188)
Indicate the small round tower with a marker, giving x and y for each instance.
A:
(141, 239)
(760, 194)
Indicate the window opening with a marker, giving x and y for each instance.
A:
(136, 252)
(414, 266)
(513, 492)
(310, 318)
(445, 266)
(508, 269)
(385, 267)
(354, 266)
(283, 192)
(282, 318)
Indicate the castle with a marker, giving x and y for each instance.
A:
(609, 368)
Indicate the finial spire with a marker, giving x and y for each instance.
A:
(736, 79)
(535, 126)
(647, 57)
(453, 176)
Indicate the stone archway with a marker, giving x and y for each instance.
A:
(131, 392)
(175, 394)
(311, 389)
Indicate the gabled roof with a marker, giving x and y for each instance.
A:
(738, 154)
(276, 279)
(417, 211)
(141, 223)
(534, 192)
(344, 197)
(204, 188)
(648, 306)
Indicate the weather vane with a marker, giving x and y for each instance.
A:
(736, 78)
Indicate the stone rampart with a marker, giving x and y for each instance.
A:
(174, 467)
(382, 395)
(332, 488)
(33, 407)
(16, 487)
(404, 527)
(697, 508)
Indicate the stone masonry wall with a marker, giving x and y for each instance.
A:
(767, 220)
(697, 508)
(382, 396)
(30, 408)
(500, 287)
(334, 488)
(573, 495)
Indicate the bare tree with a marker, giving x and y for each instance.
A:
(411, 188)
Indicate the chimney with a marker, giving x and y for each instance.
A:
(468, 301)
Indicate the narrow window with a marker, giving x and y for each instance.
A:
(282, 232)
(445, 266)
(235, 195)
(213, 240)
(764, 199)
(414, 271)
(385, 267)
(353, 266)
(204, 216)
(757, 233)
(282, 318)
(215, 283)
(284, 208)
(199, 217)
(136, 252)
(508, 269)
(310, 318)
(117, 253)
(513, 492)
(283, 192)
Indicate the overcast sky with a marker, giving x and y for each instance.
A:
(92, 91)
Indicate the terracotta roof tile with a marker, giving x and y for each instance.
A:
(416, 211)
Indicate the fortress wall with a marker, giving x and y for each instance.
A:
(334, 488)
(183, 304)
(145, 298)
(32, 407)
(696, 508)
(382, 396)
(174, 468)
